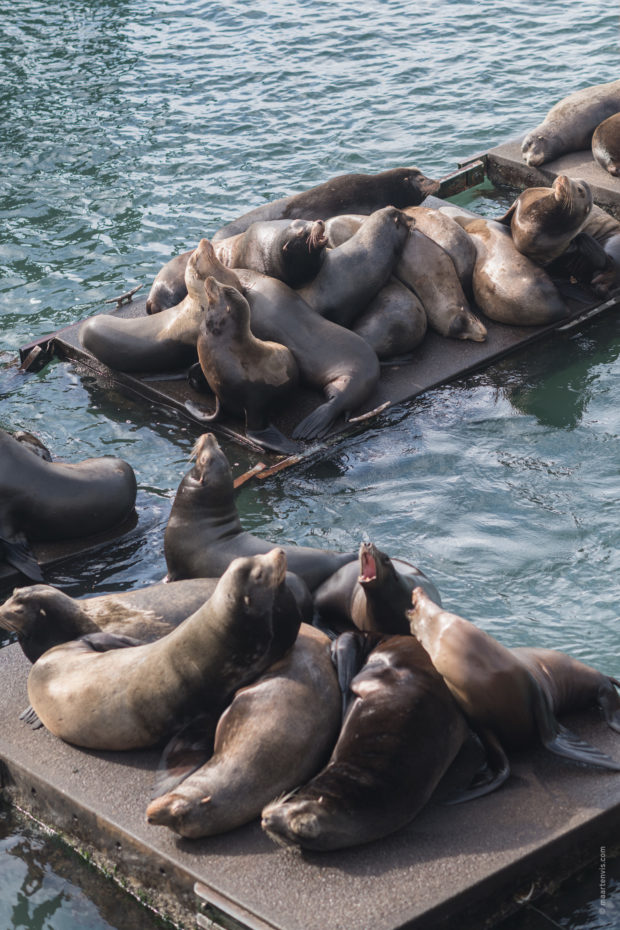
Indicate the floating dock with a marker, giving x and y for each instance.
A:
(468, 863)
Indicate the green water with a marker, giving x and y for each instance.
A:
(131, 128)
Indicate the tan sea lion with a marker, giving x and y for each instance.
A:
(275, 735)
(394, 322)
(606, 144)
(570, 123)
(452, 238)
(133, 697)
(512, 696)
(400, 734)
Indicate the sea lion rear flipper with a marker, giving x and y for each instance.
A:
(493, 774)
(349, 652)
(507, 217)
(200, 414)
(609, 702)
(272, 439)
(573, 747)
(104, 642)
(31, 717)
(188, 749)
(16, 551)
(317, 424)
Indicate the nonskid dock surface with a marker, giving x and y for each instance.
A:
(468, 859)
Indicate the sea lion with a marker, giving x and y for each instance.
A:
(452, 238)
(42, 616)
(165, 341)
(570, 123)
(330, 358)
(133, 697)
(372, 594)
(426, 269)
(606, 144)
(356, 270)
(511, 697)
(544, 220)
(204, 532)
(289, 250)
(43, 501)
(401, 732)
(250, 377)
(394, 322)
(508, 286)
(168, 288)
(34, 444)
(276, 734)
(347, 193)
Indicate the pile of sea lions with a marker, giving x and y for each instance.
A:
(329, 694)
(318, 288)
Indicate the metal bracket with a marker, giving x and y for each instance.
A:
(125, 298)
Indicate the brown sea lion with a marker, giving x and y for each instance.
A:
(168, 288)
(291, 250)
(570, 123)
(347, 193)
(43, 501)
(356, 270)
(165, 341)
(508, 286)
(511, 697)
(544, 220)
(250, 377)
(372, 594)
(204, 532)
(401, 732)
(606, 144)
(330, 358)
(452, 238)
(275, 735)
(133, 697)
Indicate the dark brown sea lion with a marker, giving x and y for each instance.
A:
(569, 124)
(347, 193)
(275, 735)
(512, 696)
(34, 444)
(289, 250)
(508, 286)
(330, 358)
(250, 377)
(372, 594)
(133, 697)
(544, 220)
(394, 322)
(168, 288)
(165, 341)
(42, 616)
(606, 144)
(204, 532)
(48, 501)
(400, 734)
(356, 270)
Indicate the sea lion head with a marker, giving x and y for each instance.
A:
(301, 243)
(375, 567)
(253, 582)
(308, 822)
(43, 617)
(415, 187)
(464, 325)
(537, 149)
(573, 195)
(211, 469)
(204, 262)
(226, 309)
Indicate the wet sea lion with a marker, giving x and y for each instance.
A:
(570, 123)
(508, 286)
(133, 697)
(204, 532)
(34, 444)
(42, 616)
(276, 734)
(43, 501)
(452, 238)
(512, 696)
(168, 288)
(165, 341)
(330, 358)
(372, 594)
(250, 377)
(606, 144)
(544, 220)
(400, 734)
(394, 322)
(289, 250)
(347, 193)
(352, 273)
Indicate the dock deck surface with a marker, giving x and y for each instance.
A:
(467, 860)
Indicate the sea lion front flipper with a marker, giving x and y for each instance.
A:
(609, 702)
(31, 717)
(200, 414)
(273, 440)
(188, 749)
(16, 551)
(349, 652)
(507, 217)
(573, 747)
(104, 642)
(493, 774)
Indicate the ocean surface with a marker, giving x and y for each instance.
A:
(129, 130)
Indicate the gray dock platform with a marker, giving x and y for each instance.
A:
(464, 863)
